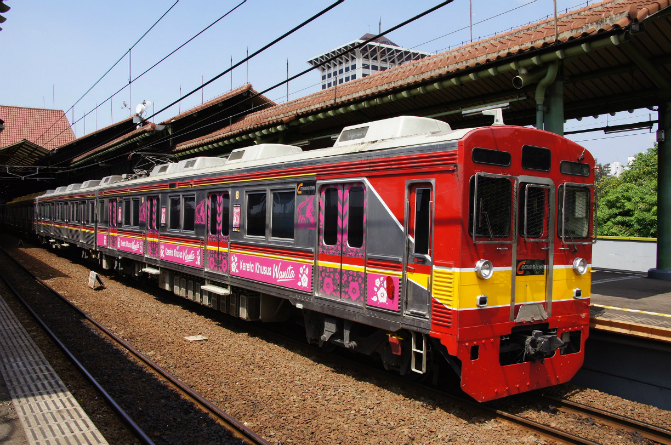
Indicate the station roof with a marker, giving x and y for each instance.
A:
(44, 127)
(615, 56)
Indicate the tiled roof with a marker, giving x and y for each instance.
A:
(216, 100)
(96, 132)
(46, 128)
(583, 22)
(125, 138)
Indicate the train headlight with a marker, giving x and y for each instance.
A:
(580, 266)
(484, 269)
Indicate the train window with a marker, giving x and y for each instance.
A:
(225, 214)
(331, 216)
(493, 207)
(532, 214)
(175, 206)
(356, 217)
(91, 212)
(574, 168)
(126, 212)
(422, 220)
(574, 212)
(491, 157)
(256, 214)
(136, 212)
(189, 213)
(157, 215)
(213, 215)
(536, 158)
(106, 212)
(282, 223)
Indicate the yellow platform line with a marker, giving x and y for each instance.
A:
(632, 310)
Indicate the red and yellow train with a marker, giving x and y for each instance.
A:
(406, 239)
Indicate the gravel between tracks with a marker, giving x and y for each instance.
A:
(285, 393)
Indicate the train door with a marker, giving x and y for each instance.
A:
(82, 221)
(152, 232)
(341, 258)
(418, 262)
(533, 255)
(114, 218)
(217, 244)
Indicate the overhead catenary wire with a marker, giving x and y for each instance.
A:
(282, 37)
(322, 12)
(355, 47)
(106, 73)
(188, 129)
(130, 82)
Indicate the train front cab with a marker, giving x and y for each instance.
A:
(520, 312)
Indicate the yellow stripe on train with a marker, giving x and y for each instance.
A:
(459, 289)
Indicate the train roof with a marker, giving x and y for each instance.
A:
(397, 132)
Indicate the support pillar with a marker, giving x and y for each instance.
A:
(554, 116)
(663, 269)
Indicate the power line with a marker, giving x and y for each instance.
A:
(237, 64)
(394, 28)
(103, 76)
(153, 66)
(322, 12)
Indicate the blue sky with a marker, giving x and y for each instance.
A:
(54, 51)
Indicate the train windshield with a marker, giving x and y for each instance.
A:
(574, 213)
(490, 207)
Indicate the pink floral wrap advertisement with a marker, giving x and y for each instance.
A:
(284, 273)
(132, 245)
(177, 253)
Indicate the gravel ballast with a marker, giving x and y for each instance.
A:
(289, 394)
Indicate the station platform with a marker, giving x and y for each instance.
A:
(630, 303)
(47, 411)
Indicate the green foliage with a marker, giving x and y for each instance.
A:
(627, 206)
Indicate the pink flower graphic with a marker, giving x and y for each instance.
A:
(328, 286)
(354, 290)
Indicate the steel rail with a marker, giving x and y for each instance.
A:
(239, 430)
(120, 411)
(544, 430)
(647, 430)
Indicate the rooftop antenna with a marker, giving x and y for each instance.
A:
(379, 31)
(141, 108)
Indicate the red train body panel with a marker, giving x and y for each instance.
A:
(406, 239)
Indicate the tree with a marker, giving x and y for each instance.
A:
(627, 206)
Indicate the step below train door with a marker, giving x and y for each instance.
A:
(418, 264)
(152, 232)
(341, 257)
(218, 220)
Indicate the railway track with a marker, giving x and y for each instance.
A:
(649, 432)
(645, 430)
(238, 430)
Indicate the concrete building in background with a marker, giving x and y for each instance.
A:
(377, 55)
